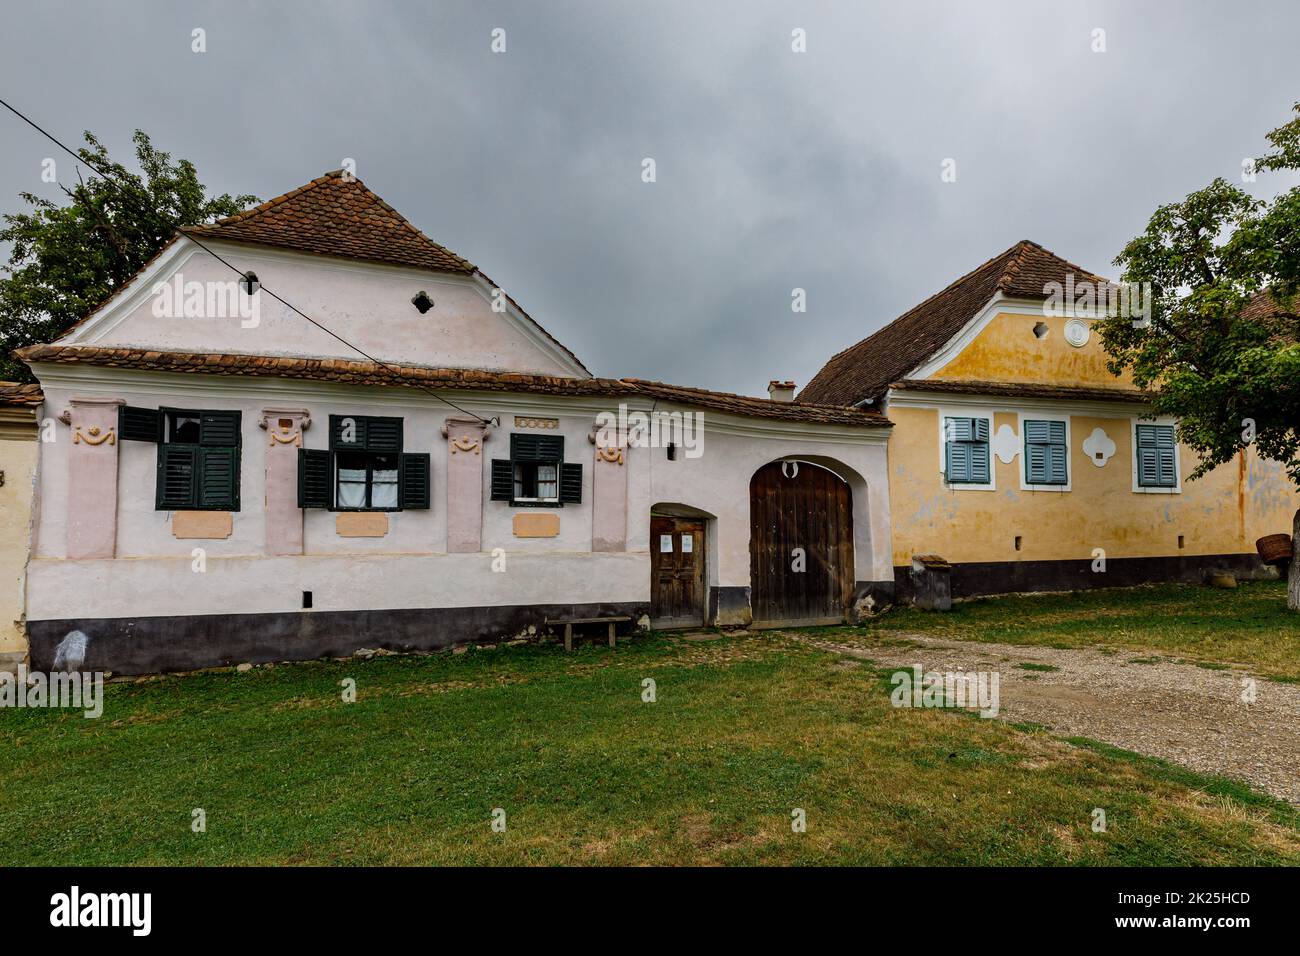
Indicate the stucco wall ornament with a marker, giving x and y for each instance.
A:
(1098, 447)
(94, 436)
(610, 453)
(1005, 444)
(464, 443)
(284, 431)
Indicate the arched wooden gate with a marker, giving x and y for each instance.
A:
(800, 545)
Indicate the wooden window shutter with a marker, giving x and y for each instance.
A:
(139, 424)
(1156, 456)
(979, 459)
(1045, 453)
(548, 448)
(966, 450)
(177, 468)
(383, 434)
(218, 484)
(570, 483)
(340, 432)
(313, 478)
(220, 429)
(415, 481)
(503, 480)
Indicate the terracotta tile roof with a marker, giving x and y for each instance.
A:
(863, 371)
(16, 395)
(449, 379)
(1022, 390)
(335, 215)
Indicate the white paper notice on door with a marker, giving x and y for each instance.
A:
(665, 544)
(688, 544)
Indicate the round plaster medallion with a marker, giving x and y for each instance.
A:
(1076, 333)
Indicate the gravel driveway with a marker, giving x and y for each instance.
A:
(1194, 716)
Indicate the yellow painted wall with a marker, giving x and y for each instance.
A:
(18, 462)
(1222, 513)
(1006, 350)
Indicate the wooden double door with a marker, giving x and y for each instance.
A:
(800, 545)
(677, 589)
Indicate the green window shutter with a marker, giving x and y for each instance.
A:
(344, 427)
(570, 483)
(313, 478)
(1045, 453)
(503, 480)
(177, 477)
(139, 424)
(218, 484)
(220, 429)
(537, 448)
(415, 481)
(383, 434)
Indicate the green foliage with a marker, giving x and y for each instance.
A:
(1222, 349)
(66, 260)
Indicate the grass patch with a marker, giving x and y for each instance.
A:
(743, 731)
(1032, 666)
(1247, 626)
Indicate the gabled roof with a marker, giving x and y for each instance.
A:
(348, 372)
(866, 370)
(335, 215)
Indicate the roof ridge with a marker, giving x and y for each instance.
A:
(951, 285)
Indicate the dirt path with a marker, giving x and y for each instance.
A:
(1190, 715)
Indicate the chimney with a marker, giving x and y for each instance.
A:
(781, 391)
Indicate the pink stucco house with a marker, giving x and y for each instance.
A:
(417, 464)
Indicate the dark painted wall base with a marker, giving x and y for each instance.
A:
(1008, 577)
(147, 645)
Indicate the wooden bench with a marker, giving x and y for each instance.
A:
(568, 623)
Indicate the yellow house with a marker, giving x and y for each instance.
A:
(1021, 460)
(19, 405)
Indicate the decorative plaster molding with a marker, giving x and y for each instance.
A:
(1098, 447)
(610, 453)
(1006, 444)
(93, 436)
(526, 422)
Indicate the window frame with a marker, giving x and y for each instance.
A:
(946, 413)
(370, 455)
(1025, 483)
(1177, 487)
(167, 415)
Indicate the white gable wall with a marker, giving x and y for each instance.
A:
(368, 304)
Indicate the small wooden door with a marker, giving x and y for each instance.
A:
(800, 545)
(676, 572)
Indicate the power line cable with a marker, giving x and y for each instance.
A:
(289, 305)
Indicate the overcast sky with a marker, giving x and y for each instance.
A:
(775, 170)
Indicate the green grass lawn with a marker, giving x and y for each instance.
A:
(744, 731)
(1249, 625)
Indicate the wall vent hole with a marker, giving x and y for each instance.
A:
(306, 599)
(1040, 330)
(1017, 542)
(1180, 542)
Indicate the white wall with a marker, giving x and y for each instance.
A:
(409, 567)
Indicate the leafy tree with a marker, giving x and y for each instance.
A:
(66, 260)
(1221, 350)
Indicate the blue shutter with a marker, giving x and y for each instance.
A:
(958, 461)
(966, 450)
(1045, 453)
(1157, 453)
